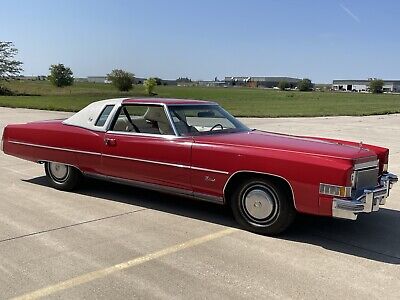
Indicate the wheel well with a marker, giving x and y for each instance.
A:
(43, 162)
(237, 178)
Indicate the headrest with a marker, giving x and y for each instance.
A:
(156, 114)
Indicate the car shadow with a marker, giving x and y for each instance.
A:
(375, 236)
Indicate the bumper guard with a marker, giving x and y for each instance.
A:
(368, 202)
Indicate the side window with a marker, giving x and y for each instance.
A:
(150, 119)
(104, 115)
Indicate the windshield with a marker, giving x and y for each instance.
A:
(204, 119)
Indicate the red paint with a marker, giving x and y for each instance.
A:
(303, 162)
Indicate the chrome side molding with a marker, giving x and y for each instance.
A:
(160, 188)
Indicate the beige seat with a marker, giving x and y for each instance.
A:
(122, 124)
(157, 114)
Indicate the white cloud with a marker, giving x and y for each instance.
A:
(349, 12)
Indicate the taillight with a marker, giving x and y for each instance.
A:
(3, 139)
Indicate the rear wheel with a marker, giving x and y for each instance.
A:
(61, 176)
(263, 206)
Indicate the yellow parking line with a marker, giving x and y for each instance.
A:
(84, 278)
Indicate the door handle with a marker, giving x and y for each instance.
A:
(110, 142)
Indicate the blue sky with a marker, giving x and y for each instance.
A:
(322, 40)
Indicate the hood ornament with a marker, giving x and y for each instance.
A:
(360, 144)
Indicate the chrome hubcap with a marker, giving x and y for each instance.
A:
(259, 204)
(58, 171)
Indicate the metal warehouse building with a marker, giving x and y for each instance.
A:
(389, 86)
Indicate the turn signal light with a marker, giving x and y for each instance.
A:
(335, 190)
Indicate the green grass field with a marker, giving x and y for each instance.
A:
(243, 102)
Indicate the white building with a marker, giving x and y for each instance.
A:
(98, 79)
(389, 86)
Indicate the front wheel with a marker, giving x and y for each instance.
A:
(62, 177)
(263, 206)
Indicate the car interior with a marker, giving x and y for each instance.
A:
(153, 121)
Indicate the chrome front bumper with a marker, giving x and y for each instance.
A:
(368, 202)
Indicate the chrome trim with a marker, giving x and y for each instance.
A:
(369, 201)
(366, 165)
(160, 188)
(262, 173)
(121, 157)
(385, 167)
(208, 198)
(54, 148)
(126, 102)
(209, 170)
(147, 161)
(171, 123)
(165, 164)
(166, 111)
(139, 134)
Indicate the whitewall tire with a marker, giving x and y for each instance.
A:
(61, 176)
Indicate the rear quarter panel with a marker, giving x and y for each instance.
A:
(54, 141)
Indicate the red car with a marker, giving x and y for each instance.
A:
(197, 149)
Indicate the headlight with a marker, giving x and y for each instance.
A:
(335, 190)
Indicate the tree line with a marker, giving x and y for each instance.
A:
(61, 75)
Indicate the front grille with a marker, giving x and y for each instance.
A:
(366, 178)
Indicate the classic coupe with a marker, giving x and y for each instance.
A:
(195, 148)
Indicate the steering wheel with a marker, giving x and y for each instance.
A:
(216, 125)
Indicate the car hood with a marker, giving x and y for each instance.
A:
(289, 143)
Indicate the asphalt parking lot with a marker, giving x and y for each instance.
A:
(110, 241)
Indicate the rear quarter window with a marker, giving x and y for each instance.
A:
(104, 115)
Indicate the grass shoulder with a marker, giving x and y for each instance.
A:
(242, 102)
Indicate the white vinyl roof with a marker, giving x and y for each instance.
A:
(88, 116)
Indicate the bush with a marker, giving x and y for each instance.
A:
(60, 75)
(376, 86)
(149, 85)
(158, 80)
(283, 85)
(121, 79)
(305, 85)
(5, 91)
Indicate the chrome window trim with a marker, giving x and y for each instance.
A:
(167, 104)
(139, 134)
(117, 106)
(171, 123)
(166, 111)
(108, 117)
(262, 173)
